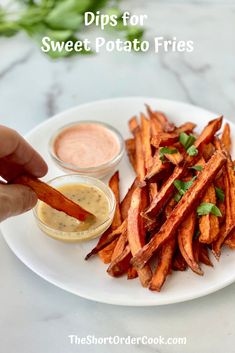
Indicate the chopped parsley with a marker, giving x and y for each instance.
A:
(206, 208)
(166, 150)
(182, 187)
(188, 142)
(197, 167)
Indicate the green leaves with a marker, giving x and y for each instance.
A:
(8, 29)
(166, 150)
(192, 151)
(219, 194)
(197, 167)
(207, 208)
(182, 187)
(61, 20)
(65, 16)
(188, 142)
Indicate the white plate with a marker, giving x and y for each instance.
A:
(64, 265)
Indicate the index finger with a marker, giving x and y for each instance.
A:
(14, 150)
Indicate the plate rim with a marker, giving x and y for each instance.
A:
(121, 303)
(127, 98)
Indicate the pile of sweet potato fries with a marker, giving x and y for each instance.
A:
(180, 207)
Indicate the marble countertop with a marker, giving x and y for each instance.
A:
(37, 317)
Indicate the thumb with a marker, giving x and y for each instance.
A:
(15, 199)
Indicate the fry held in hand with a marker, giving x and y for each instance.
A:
(53, 197)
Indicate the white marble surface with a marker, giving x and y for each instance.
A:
(36, 317)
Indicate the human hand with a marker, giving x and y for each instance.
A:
(17, 157)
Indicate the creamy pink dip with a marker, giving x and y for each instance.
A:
(86, 145)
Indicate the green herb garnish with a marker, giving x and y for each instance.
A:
(197, 167)
(182, 187)
(188, 142)
(207, 208)
(166, 150)
(192, 151)
(219, 194)
(177, 197)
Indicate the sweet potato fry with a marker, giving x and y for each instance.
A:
(165, 256)
(204, 255)
(136, 231)
(209, 224)
(175, 158)
(186, 127)
(155, 125)
(183, 208)
(219, 183)
(121, 264)
(208, 133)
(139, 155)
(168, 138)
(53, 197)
(114, 186)
(226, 137)
(230, 240)
(130, 148)
(179, 263)
(119, 246)
(111, 236)
(185, 242)
(158, 170)
(126, 202)
(164, 265)
(164, 139)
(230, 207)
(133, 124)
(164, 193)
(196, 249)
(151, 224)
(153, 190)
(106, 253)
(166, 124)
(131, 273)
(146, 137)
(168, 187)
(169, 207)
(208, 151)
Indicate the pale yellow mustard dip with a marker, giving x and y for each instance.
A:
(90, 198)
